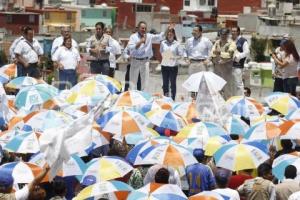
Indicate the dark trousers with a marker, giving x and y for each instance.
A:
(32, 70)
(289, 85)
(278, 85)
(100, 67)
(169, 76)
(138, 85)
(20, 69)
(67, 78)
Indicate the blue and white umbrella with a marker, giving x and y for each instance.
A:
(234, 125)
(21, 82)
(281, 162)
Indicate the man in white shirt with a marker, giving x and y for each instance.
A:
(28, 52)
(112, 56)
(239, 58)
(140, 48)
(197, 50)
(57, 42)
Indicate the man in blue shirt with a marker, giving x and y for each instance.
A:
(200, 177)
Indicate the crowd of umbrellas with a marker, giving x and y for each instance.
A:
(131, 117)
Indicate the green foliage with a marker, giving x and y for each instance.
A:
(257, 48)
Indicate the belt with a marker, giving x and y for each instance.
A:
(146, 58)
(197, 60)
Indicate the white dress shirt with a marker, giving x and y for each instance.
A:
(13, 46)
(69, 58)
(171, 49)
(59, 41)
(25, 50)
(198, 48)
(112, 55)
(295, 196)
(240, 55)
(145, 50)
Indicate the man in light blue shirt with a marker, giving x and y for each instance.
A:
(140, 48)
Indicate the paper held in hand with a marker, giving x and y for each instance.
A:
(168, 58)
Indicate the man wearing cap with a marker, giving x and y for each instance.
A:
(6, 185)
(200, 177)
(239, 58)
(221, 56)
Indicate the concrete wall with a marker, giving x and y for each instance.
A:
(248, 21)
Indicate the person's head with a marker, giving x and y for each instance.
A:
(290, 172)
(99, 27)
(224, 32)
(247, 92)
(289, 48)
(235, 32)
(222, 177)
(38, 193)
(197, 31)
(109, 31)
(142, 27)
(264, 170)
(171, 35)
(28, 33)
(199, 155)
(23, 29)
(59, 187)
(286, 144)
(6, 181)
(162, 176)
(65, 31)
(67, 42)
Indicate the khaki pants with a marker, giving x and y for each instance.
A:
(138, 67)
(238, 85)
(225, 71)
(195, 67)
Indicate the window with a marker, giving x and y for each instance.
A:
(83, 13)
(143, 8)
(69, 16)
(31, 19)
(47, 15)
(104, 13)
(9, 19)
(211, 2)
(202, 2)
(187, 2)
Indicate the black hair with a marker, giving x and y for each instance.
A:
(59, 187)
(264, 169)
(238, 29)
(286, 144)
(199, 27)
(248, 90)
(65, 40)
(100, 24)
(27, 29)
(162, 176)
(290, 172)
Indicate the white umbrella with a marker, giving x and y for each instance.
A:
(214, 81)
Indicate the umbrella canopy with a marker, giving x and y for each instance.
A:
(156, 104)
(238, 156)
(192, 142)
(113, 190)
(244, 106)
(208, 129)
(7, 72)
(214, 81)
(21, 82)
(263, 131)
(123, 122)
(214, 143)
(282, 102)
(186, 110)
(290, 129)
(22, 172)
(208, 195)
(281, 162)
(293, 115)
(168, 154)
(107, 168)
(155, 191)
(113, 85)
(35, 95)
(166, 119)
(6, 136)
(234, 125)
(26, 142)
(133, 98)
(88, 92)
(266, 118)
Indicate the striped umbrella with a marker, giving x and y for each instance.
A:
(293, 115)
(238, 156)
(113, 190)
(234, 125)
(166, 119)
(209, 195)
(214, 143)
(192, 142)
(156, 104)
(282, 102)
(155, 191)
(21, 82)
(168, 154)
(281, 162)
(208, 129)
(107, 168)
(113, 85)
(244, 106)
(22, 172)
(35, 95)
(6, 136)
(290, 130)
(26, 142)
(186, 110)
(123, 122)
(133, 98)
(7, 72)
(266, 118)
(263, 131)
(147, 133)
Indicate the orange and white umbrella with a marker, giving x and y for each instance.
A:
(187, 110)
(290, 129)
